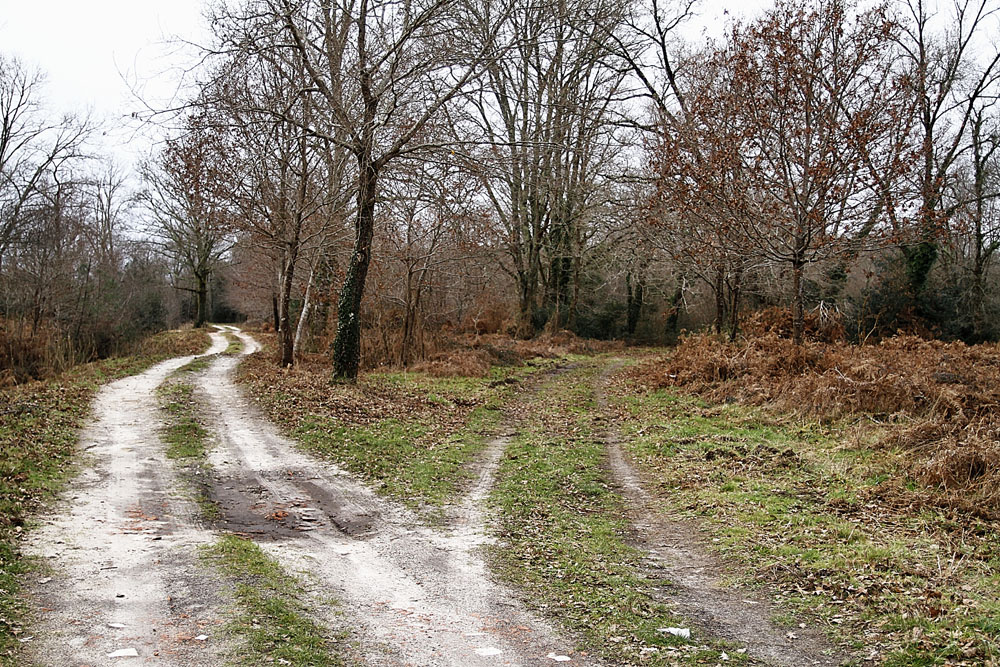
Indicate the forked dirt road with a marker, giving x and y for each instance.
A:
(420, 596)
(125, 577)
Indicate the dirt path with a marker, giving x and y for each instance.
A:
(125, 575)
(420, 596)
(675, 552)
(121, 547)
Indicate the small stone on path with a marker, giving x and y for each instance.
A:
(124, 653)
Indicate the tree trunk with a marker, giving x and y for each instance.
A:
(674, 316)
(274, 312)
(526, 314)
(574, 304)
(633, 303)
(202, 301)
(977, 300)
(798, 312)
(734, 304)
(304, 314)
(409, 320)
(287, 335)
(920, 260)
(347, 345)
(720, 300)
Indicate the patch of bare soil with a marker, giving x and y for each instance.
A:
(122, 576)
(419, 596)
(676, 553)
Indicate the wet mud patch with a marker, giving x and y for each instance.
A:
(245, 506)
(347, 519)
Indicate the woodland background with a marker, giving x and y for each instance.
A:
(381, 181)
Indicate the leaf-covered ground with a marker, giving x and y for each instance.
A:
(829, 521)
(412, 435)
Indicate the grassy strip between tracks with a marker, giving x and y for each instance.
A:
(412, 435)
(187, 438)
(269, 617)
(39, 431)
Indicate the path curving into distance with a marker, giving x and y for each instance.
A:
(419, 596)
(120, 569)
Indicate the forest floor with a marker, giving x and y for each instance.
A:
(554, 511)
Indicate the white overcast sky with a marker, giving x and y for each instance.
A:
(93, 51)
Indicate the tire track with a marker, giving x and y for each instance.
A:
(420, 597)
(121, 546)
(695, 575)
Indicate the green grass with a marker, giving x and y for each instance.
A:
(196, 365)
(565, 543)
(186, 438)
(421, 458)
(39, 432)
(269, 617)
(187, 441)
(829, 524)
(235, 345)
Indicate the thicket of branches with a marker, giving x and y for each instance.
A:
(370, 176)
(74, 285)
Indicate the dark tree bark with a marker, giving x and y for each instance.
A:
(798, 309)
(347, 345)
(719, 287)
(201, 299)
(633, 301)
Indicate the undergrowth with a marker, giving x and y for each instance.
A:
(939, 401)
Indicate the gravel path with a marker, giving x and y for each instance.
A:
(419, 596)
(121, 547)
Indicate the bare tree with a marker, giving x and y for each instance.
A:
(379, 72)
(31, 145)
(778, 150)
(949, 77)
(976, 225)
(288, 184)
(189, 215)
(544, 113)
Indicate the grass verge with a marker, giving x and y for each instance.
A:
(39, 432)
(411, 435)
(829, 524)
(269, 616)
(565, 539)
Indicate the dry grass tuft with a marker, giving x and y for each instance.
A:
(940, 400)
(473, 355)
(461, 362)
